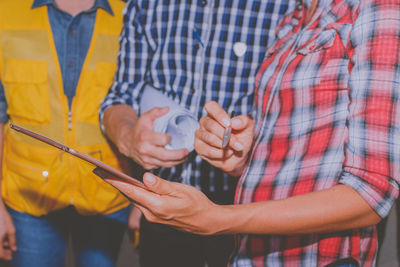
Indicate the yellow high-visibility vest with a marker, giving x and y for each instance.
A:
(37, 178)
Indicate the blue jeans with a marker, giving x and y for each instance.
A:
(43, 241)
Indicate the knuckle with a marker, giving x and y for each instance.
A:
(209, 153)
(197, 146)
(166, 139)
(142, 149)
(205, 136)
(183, 154)
(151, 218)
(202, 121)
(147, 167)
(142, 137)
(197, 133)
(169, 165)
(158, 211)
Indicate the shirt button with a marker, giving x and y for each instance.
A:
(197, 46)
(203, 3)
(69, 64)
(193, 91)
(239, 48)
(71, 32)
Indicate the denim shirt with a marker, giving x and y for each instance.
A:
(72, 37)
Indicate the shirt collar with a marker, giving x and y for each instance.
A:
(103, 4)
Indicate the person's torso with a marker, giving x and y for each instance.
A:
(36, 178)
(207, 50)
(302, 106)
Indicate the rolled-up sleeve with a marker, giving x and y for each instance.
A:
(133, 57)
(372, 152)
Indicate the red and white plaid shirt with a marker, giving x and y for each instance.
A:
(327, 113)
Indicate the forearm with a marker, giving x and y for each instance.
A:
(335, 209)
(117, 120)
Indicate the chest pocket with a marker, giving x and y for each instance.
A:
(324, 40)
(94, 89)
(327, 61)
(312, 52)
(26, 89)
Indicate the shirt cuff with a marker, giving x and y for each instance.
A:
(379, 194)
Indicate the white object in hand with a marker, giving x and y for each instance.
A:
(179, 122)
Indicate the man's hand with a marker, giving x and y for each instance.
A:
(7, 235)
(208, 139)
(137, 140)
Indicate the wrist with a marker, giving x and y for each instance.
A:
(118, 120)
(226, 220)
(238, 170)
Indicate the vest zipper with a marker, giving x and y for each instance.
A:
(71, 200)
(69, 120)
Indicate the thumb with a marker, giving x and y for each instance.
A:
(158, 185)
(155, 113)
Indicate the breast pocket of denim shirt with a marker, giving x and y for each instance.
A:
(26, 90)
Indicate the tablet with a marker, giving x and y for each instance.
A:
(102, 170)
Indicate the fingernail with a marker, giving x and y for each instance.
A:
(150, 179)
(238, 146)
(226, 122)
(236, 122)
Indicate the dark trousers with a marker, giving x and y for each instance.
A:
(161, 245)
(164, 246)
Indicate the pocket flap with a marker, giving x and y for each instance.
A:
(324, 40)
(25, 71)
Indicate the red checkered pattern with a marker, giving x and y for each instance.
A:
(328, 113)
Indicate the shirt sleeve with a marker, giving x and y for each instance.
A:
(3, 105)
(372, 152)
(135, 53)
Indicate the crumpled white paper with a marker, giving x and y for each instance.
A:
(179, 122)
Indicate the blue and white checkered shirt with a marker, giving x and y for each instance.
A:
(193, 52)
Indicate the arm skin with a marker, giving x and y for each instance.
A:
(182, 206)
(135, 138)
(133, 135)
(8, 243)
(186, 208)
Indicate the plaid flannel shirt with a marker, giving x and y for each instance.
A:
(328, 113)
(185, 49)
